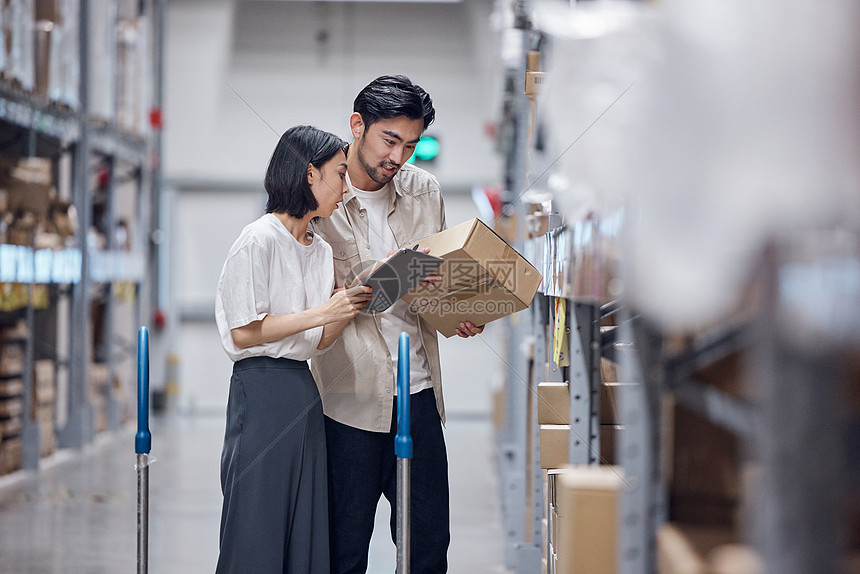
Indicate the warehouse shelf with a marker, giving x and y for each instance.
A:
(39, 115)
(109, 142)
(89, 283)
(763, 391)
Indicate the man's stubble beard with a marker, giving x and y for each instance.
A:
(373, 172)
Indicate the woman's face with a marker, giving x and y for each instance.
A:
(328, 184)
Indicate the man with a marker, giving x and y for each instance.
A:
(390, 204)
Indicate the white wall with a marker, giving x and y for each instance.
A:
(271, 55)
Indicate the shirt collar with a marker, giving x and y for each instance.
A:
(349, 196)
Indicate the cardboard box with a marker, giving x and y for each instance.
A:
(33, 198)
(43, 378)
(610, 435)
(675, 553)
(506, 227)
(483, 279)
(43, 30)
(25, 170)
(588, 502)
(553, 405)
(610, 413)
(11, 360)
(11, 407)
(28, 186)
(51, 10)
(704, 487)
(11, 388)
(10, 455)
(10, 427)
(554, 446)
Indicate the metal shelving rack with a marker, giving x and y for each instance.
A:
(72, 133)
(518, 452)
(797, 360)
(790, 425)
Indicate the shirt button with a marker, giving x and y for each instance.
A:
(387, 389)
(362, 213)
(367, 247)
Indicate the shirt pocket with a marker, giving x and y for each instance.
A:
(347, 262)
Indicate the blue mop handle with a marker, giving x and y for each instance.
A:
(403, 440)
(143, 438)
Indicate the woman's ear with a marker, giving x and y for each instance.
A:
(310, 174)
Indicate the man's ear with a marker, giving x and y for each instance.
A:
(310, 174)
(356, 125)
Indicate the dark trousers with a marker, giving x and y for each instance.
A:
(362, 467)
(273, 472)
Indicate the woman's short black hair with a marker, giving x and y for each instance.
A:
(287, 176)
(389, 97)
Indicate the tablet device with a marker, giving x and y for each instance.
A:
(397, 276)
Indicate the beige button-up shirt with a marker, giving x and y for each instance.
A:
(356, 375)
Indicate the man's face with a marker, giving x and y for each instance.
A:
(386, 145)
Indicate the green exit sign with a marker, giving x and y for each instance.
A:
(426, 150)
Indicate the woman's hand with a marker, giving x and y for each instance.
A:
(345, 304)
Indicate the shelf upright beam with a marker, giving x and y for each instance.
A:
(643, 495)
(512, 451)
(114, 408)
(544, 370)
(798, 441)
(584, 343)
(528, 550)
(79, 428)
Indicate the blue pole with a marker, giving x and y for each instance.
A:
(143, 438)
(403, 450)
(403, 440)
(142, 445)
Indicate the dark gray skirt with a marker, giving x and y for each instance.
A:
(273, 471)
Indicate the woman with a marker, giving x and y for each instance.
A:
(275, 310)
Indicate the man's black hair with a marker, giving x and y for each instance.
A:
(286, 179)
(389, 97)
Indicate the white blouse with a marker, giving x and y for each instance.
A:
(268, 272)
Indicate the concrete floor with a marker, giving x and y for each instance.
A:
(77, 514)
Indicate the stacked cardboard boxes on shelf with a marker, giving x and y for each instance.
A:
(33, 218)
(581, 524)
(554, 419)
(11, 396)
